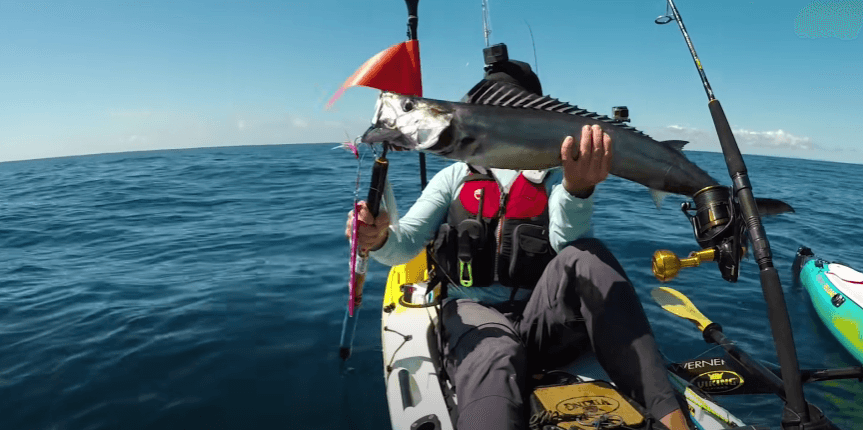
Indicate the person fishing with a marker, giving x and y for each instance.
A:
(529, 288)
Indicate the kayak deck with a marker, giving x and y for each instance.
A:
(418, 394)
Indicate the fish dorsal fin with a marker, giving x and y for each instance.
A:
(505, 94)
(676, 144)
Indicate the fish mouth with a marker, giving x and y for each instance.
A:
(379, 132)
(376, 134)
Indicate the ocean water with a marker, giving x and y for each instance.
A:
(205, 288)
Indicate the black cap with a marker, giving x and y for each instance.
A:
(515, 72)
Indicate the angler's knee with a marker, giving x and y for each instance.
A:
(489, 346)
(589, 257)
(583, 254)
(493, 366)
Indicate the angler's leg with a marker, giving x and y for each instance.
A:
(485, 360)
(585, 282)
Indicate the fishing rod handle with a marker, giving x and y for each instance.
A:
(378, 183)
(733, 157)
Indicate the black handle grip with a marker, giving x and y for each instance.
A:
(376, 188)
(733, 158)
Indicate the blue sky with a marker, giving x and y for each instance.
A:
(93, 77)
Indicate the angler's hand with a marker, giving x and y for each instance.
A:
(373, 232)
(586, 164)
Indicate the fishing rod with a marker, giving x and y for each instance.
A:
(740, 214)
(376, 190)
(373, 202)
(412, 35)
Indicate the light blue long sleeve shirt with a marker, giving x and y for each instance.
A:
(569, 219)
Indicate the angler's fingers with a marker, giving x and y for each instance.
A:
(598, 149)
(368, 219)
(365, 214)
(566, 149)
(368, 235)
(599, 143)
(383, 220)
(606, 157)
(586, 147)
(369, 232)
(601, 156)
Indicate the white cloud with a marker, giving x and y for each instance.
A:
(773, 139)
(299, 122)
(134, 140)
(692, 134)
(778, 139)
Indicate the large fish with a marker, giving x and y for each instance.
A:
(504, 126)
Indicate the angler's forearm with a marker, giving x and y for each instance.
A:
(402, 244)
(422, 220)
(569, 217)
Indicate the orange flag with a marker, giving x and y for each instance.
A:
(395, 69)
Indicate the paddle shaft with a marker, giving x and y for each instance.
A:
(777, 310)
(713, 333)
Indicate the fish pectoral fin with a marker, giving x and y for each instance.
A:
(676, 144)
(658, 196)
(769, 207)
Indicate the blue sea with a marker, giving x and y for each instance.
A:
(205, 288)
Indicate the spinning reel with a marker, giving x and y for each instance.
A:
(719, 229)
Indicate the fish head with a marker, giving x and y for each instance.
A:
(408, 122)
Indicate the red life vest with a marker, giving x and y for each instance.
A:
(509, 239)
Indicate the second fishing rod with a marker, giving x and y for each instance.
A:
(798, 414)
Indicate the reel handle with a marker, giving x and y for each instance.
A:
(666, 265)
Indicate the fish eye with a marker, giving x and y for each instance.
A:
(408, 105)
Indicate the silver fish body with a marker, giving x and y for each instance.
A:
(522, 138)
(518, 130)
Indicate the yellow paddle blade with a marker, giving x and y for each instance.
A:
(675, 302)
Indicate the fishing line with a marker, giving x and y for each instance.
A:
(349, 326)
(708, 350)
(533, 42)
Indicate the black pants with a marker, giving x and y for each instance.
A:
(583, 300)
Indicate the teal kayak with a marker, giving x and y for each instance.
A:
(836, 291)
